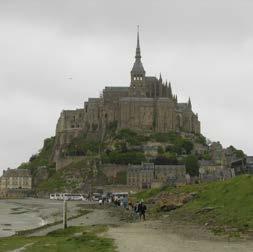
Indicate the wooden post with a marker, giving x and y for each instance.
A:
(64, 214)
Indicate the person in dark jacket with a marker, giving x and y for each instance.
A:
(141, 210)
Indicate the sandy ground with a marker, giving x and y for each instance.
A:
(21, 214)
(148, 237)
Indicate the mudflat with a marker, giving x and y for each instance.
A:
(29, 213)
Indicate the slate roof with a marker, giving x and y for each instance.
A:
(17, 173)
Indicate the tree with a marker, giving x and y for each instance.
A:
(187, 145)
(192, 165)
(166, 160)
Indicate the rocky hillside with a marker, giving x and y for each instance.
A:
(88, 155)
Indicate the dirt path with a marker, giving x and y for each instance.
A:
(147, 237)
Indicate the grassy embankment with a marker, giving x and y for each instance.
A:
(70, 239)
(221, 205)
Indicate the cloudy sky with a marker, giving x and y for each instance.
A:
(54, 54)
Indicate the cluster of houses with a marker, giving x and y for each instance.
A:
(15, 182)
(18, 182)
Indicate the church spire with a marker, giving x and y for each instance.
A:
(138, 48)
(189, 103)
(138, 73)
(138, 69)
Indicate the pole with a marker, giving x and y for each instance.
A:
(64, 213)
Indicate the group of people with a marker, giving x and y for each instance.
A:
(140, 209)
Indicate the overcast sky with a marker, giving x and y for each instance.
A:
(205, 48)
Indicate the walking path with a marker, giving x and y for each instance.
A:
(154, 236)
(140, 237)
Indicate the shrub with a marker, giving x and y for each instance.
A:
(115, 157)
(165, 137)
(42, 158)
(166, 160)
(201, 139)
(80, 146)
(160, 150)
(131, 137)
(187, 145)
(192, 165)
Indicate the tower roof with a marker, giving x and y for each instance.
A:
(189, 103)
(138, 67)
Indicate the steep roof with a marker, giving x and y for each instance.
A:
(117, 89)
(138, 67)
(17, 173)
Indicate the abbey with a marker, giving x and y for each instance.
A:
(147, 104)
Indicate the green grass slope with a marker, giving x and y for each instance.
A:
(218, 204)
(230, 203)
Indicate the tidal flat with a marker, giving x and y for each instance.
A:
(29, 213)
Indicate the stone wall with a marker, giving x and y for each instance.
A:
(215, 172)
(63, 162)
(111, 170)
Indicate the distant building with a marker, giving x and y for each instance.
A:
(249, 164)
(148, 175)
(243, 165)
(16, 179)
(147, 104)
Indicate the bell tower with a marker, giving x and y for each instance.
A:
(137, 87)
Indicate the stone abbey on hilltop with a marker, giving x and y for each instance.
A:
(148, 104)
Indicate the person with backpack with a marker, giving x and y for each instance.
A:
(142, 210)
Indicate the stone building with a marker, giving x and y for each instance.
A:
(16, 179)
(147, 175)
(148, 104)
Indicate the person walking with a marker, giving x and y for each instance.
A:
(142, 210)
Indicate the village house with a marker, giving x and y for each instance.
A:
(16, 179)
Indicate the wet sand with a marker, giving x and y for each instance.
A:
(22, 214)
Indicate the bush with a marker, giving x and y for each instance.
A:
(115, 157)
(187, 145)
(160, 150)
(166, 160)
(80, 146)
(165, 137)
(192, 165)
(201, 139)
(42, 158)
(131, 137)
(180, 146)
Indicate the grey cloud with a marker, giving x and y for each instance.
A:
(203, 47)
